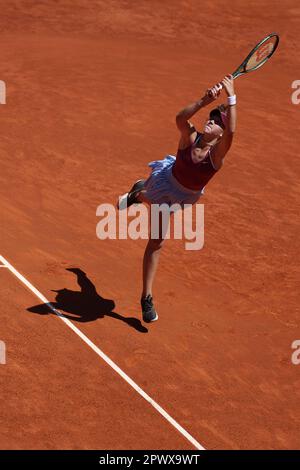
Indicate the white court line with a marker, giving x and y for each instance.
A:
(100, 353)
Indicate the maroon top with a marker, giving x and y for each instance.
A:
(193, 175)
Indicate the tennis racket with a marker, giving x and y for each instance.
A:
(258, 56)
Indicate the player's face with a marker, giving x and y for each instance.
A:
(214, 127)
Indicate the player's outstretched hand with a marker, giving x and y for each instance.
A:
(213, 93)
(228, 85)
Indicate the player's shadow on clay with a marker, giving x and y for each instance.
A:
(85, 305)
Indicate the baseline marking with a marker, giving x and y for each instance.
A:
(103, 356)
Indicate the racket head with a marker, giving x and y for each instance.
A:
(259, 55)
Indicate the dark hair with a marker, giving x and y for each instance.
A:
(223, 107)
(219, 109)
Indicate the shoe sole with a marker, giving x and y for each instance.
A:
(150, 321)
(122, 202)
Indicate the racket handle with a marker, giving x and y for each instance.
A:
(210, 93)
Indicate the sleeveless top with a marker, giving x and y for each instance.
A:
(193, 175)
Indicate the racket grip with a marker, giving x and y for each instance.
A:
(210, 93)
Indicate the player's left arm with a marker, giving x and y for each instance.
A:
(222, 147)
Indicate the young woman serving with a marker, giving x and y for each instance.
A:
(182, 179)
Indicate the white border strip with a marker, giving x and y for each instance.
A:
(103, 356)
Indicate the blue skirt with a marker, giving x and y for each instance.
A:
(162, 187)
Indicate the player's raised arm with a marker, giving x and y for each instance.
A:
(222, 147)
(183, 117)
(228, 84)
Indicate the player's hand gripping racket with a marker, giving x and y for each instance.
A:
(257, 57)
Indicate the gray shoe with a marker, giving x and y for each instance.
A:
(149, 312)
(127, 199)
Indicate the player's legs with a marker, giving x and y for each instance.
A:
(150, 264)
(151, 255)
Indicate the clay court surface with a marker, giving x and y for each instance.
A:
(92, 93)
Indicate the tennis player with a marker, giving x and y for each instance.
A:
(182, 179)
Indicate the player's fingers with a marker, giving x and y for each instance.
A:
(215, 92)
(226, 81)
